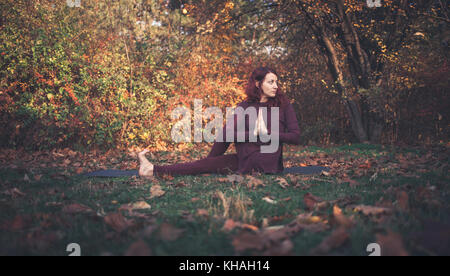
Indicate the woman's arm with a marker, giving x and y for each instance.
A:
(292, 136)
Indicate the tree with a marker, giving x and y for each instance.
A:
(356, 40)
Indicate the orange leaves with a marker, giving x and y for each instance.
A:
(253, 182)
(69, 90)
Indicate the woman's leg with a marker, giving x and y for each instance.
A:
(219, 164)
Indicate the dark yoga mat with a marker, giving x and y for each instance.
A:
(292, 170)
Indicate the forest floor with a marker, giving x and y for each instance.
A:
(396, 197)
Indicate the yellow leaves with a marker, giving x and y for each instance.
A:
(156, 191)
(161, 145)
(229, 5)
(282, 182)
(254, 182)
(144, 136)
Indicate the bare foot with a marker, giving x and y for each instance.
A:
(145, 167)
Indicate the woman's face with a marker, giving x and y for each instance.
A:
(269, 86)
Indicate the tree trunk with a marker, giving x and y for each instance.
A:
(351, 106)
(357, 122)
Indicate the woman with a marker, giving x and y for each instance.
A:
(262, 91)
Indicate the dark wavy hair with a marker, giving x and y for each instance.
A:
(254, 93)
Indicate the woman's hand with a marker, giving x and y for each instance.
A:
(260, 126)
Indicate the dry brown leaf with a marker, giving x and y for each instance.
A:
(310, 201)
(141, 205)
(235, 178)
(282, 182)
(403, 201)
(79, 170)
(168, 232)
(269, 200)
(371, 210)
(335, 240)
(253, 182)
(14, 192)
(20, 222)
(138, 248)
(156, 191)
(229, 225)
(341, 219)
(391, 244)
(118, 222)
(283, 248)
(202, 213)
(76, 208)
(311, 223)
(249, 226)
(247, 240)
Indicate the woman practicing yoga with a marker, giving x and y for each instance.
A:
(263, 94)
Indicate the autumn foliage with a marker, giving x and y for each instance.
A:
(107, 75)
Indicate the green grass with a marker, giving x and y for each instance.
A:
(48, 230)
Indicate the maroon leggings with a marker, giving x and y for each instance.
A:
(222, 164)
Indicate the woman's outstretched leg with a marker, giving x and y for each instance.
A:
(222, 164)
(219, 164)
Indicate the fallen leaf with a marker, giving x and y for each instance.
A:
(156, 191)
(53, 204)
(141, 205)
(168, 232)
(20, 222)
(325, 173)
(269, 200)
(76, 208)
(310, 201)
(118, 222)
(249, 226)
(79, 170)
(229, 225)
(391, 244)
(202, 213)
(247, 240)
(311, 223)
(337, 238)
(403, 201)
(138, 248)
(282, 182)
(340, 218)
(235, 178)
(181, 184)
(371, 210)
(253, 182)
(283, 248)
(14, 192)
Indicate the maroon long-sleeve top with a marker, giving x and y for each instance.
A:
(250, 157)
